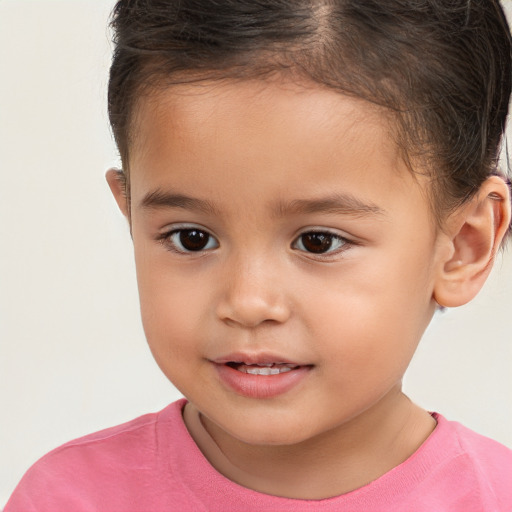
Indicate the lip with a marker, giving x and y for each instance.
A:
(255, 358)
(259, 386)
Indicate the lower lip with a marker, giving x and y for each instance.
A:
(260, 386)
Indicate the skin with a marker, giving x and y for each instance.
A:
(354, 316)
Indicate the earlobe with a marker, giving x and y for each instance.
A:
(475, 233)
(116, 180)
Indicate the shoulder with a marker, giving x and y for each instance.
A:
(108, 467)
(487, 463)
(103, 446)
(490, 459)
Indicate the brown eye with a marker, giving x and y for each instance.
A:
(319, 242)
(191, 240)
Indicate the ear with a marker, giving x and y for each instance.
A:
(116, 180)
(473, 236)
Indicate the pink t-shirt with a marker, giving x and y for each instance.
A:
(152, 464)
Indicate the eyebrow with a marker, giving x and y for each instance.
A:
(341, 204)
(159, 199)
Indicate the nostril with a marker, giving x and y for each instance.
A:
(251, 312)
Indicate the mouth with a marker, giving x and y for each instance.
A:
(262, 376)
(263, 368)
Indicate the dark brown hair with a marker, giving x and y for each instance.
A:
(441, 67)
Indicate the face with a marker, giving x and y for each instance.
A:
(285, 256)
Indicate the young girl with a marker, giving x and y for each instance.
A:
(305, 183)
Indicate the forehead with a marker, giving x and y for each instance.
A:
(256, 138)
(250, 107)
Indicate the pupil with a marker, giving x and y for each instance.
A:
(193, 239)
(317, 242)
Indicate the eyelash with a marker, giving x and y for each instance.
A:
(332, 238)
(167, 239)
(172, 238)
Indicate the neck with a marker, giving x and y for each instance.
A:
(332, 463)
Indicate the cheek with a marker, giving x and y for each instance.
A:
(374, 313)
(172, 305)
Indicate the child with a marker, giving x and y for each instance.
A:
(305, 183)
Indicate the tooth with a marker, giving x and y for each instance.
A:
(259, 371)
(264, 370)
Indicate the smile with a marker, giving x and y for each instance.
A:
(260, 377)
(263, 369)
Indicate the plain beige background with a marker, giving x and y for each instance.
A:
(72, 353)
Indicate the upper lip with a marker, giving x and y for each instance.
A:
(255, 358)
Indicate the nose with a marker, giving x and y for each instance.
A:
(252, 295)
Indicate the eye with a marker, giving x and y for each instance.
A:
(319, 242)
(187, 240)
